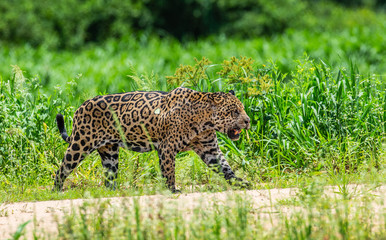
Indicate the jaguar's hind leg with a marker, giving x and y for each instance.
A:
(73, 156)
(109, 154)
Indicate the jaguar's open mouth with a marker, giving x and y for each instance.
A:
(234, 134)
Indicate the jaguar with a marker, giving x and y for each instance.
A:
(168, 122)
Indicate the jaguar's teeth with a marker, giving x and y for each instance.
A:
(237, 131)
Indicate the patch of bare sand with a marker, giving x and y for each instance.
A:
(44, 215)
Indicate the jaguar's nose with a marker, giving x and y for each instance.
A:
(247, 122)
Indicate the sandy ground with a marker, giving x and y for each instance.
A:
(45, 214)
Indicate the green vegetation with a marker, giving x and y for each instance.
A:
(72, 24)
(311, 120)
(312, 81)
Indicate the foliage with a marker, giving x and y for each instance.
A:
(27, 132)
(308, 119)
(313, 119)
(189, 76)
(72, 24)
(240, 73)
(104, 68)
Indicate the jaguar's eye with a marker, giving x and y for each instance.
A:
(236, 113)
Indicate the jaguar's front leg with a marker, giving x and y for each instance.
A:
(206, 146)
(167, 163)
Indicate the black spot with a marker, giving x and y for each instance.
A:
(135, 116)
(77, 137)
(76, 156)
(195, 130)
(105, 123)
(75, 147)
(122, 109)
(207, 152)
(206, 142)
(89, 106)
(143, 137)
(74, 165)
(117, 98)
(115, 147)
(107, 165)
(126, 119)
(137, 96)
(152, 120)
(137, 130)
(210, 124)
(126, 97)
(87, 119)
(139, 103)
(150, 95)
(213, 161)
(136, 149)
(97, 113)
(115, 156)
(154, 103)
(145, 111)
(114, 106)
(97, 97)
(69, 157)
(108, 99)
(68, 166)
(102, 105)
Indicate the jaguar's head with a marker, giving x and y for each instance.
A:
(229, 115)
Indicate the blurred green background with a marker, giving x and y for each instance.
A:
(103, 40)
(71, 24)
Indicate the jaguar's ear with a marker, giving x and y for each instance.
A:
(232, 92)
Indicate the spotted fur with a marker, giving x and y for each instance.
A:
(169, 122)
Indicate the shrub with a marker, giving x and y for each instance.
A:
(311, 118)
(28, 134)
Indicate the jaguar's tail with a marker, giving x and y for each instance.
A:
(62, 128)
